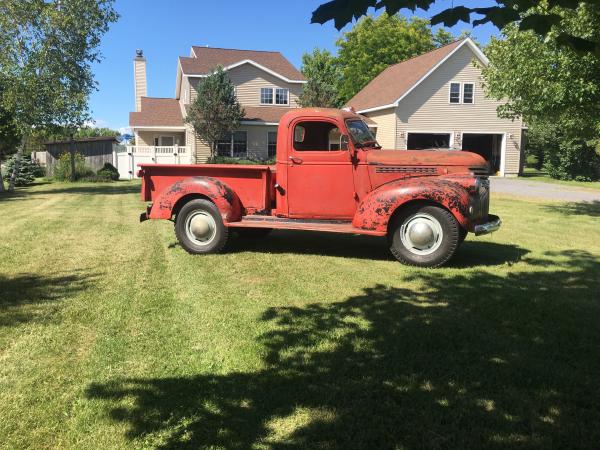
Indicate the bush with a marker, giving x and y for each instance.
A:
(108, 173)
(62, 170)
(572, 160)
(26, 173)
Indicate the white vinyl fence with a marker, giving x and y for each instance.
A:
(128, 157)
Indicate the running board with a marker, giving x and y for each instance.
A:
(284, 223)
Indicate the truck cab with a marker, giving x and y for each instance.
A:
(330, 175)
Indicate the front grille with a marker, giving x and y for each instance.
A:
(480, 202)
(406, 169)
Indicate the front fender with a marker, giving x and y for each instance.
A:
(375, 210)
(215, 190)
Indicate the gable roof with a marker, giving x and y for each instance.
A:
(207, 58)
(164, 112)
(397, 81)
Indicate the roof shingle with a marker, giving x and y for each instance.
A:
(207, 58)
(157, 112)
(396, 80)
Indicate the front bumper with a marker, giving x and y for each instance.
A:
(493, 224)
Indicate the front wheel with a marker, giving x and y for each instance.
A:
(199, 227)
(424, 236)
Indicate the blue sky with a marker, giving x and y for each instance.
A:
(167, 29)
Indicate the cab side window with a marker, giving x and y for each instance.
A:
(316, 137)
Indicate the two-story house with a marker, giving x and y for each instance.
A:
(436, 100)
(266, 84)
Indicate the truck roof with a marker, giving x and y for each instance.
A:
(331, 113)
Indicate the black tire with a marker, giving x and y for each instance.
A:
(462, 235)
(253, 233)
(186, 238)
(446, 243)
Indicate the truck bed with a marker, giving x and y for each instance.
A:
(254, 184)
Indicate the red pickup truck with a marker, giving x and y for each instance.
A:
(330, 175)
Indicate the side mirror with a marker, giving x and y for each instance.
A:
(344, 142)
(299, 133)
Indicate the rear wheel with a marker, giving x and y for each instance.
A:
(424, 236)
(199, 227)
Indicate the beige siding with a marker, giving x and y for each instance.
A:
(147, 137)
(184, 94)
(386, 127)
(257, 140)
(200, 150)
(427, 109)
(256, 136)
(140, 83)
(248, 81)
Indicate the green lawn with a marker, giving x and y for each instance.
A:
(531, 174)
(111, 336)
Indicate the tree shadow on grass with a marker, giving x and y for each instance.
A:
(474, 360)
(109, 188)
(591, 209)
(31, 297)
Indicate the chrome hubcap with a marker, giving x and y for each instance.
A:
(200, 227)
(421, 234)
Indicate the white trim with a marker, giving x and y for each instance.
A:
(255, 122)
(255, 64)
(460, 90)
(463, 92)
(467, 41)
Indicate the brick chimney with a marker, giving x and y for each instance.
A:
(139, 78)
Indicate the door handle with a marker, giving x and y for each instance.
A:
(296, 160)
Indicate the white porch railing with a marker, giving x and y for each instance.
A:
(131, 155)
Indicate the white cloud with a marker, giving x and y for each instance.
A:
(125, 130)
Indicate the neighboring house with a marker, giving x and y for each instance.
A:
(266, 84)
(436, 100)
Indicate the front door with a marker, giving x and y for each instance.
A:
(320, 173)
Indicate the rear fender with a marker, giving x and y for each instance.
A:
(376, 209)
(215, 190)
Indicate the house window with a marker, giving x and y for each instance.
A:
(468, 93)
(454, 92)
(266, 96)
(277, 96)
(234, 145)
(271, 143)
(281, 96)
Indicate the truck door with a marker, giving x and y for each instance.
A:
(320, 172)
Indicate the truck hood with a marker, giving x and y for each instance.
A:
(425, 158)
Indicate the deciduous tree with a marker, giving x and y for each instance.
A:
(547, 83)
(375, 43)
(216, 111)
(323, 77)
(47, 48)
(542, 20)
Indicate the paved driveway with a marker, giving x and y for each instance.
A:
(547, 191)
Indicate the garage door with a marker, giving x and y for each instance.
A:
(487, 145)
(425, 141)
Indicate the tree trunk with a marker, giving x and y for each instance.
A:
(1, 179)
(18, 156)
(72, 151)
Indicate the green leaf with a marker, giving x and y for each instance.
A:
(452, 16)
(540, 23)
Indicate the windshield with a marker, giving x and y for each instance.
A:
(361, 134)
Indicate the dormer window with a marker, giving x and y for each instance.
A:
(276, 96)
(462, 93)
